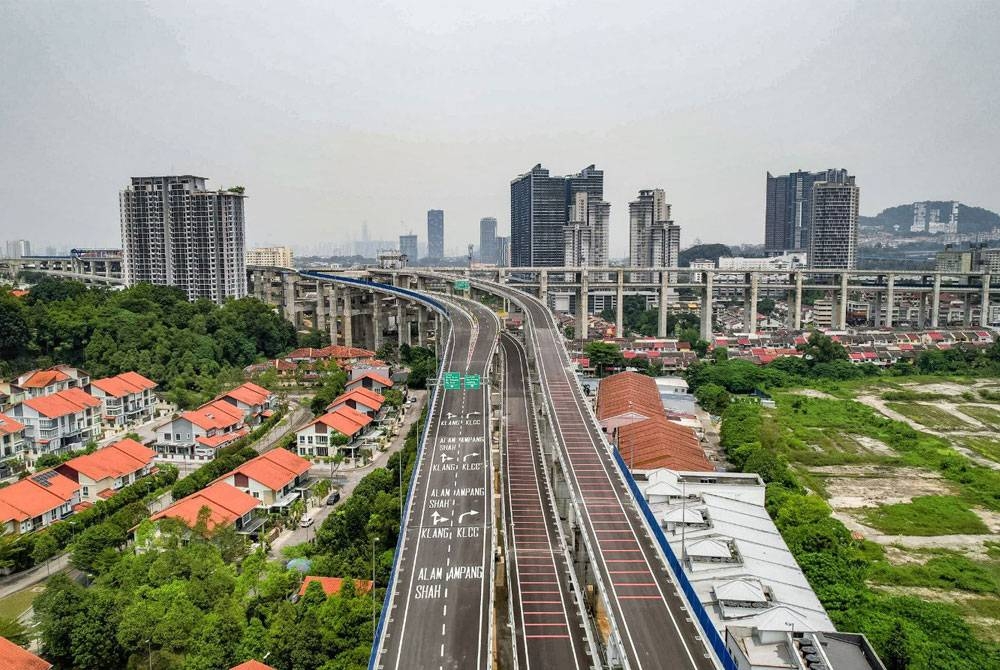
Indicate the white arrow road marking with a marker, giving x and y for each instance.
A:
(468, 456)
(445, 458)
(437, 518)
(465, 514)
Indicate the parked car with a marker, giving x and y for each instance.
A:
(306, 521)
(333, 498)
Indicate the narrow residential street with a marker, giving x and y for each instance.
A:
(346, 479)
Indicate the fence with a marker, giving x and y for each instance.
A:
(694, 604)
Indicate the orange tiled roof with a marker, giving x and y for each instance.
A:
(225, 502)
(124, 384)
(332, 585)
(9, 426)
(35, 495)
(628, 392)
(344, 420)
(216, 414)
(658, 442)
(249, 394)
(13, 657)
(115, 460)
(367, 396)
(274, 469)
(252, 665)
(222, 439)
(66, 402)
(42, 378)
(372, 375)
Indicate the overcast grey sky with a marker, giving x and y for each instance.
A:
(335, 113)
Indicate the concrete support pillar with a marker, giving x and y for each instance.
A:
(922, 317)
(936, 301)
(543, 286)
(890, 300)
(706, 307)
(582, 298)
(984, 302)
(620, 305)
(376, 321)
(842, 305)
(421, 326)
(288, 301)
(401, 324)
(661, 323)
(334, 312)
(797, 319)
(348, 318)
(751, 303)
(321, 290)
(877, 315)
(438, 336)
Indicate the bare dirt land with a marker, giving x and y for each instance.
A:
(855, 486)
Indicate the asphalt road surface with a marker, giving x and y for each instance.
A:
(645, 605)
(548, 626)
(440, 613)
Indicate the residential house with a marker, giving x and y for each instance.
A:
(370, 380)
(315, 439)
(276, 478)
(360, 399)
(13, 657)
(59, 422)
(256, 402)
(37, 501)
(126, 399)
(198, 434)
(37, 383)
(332, 585)
(252, 664)
(12, 441)
(226, 504)
(102, 473)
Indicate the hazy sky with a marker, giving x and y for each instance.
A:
(334, 113)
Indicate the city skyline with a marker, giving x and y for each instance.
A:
(305, 149)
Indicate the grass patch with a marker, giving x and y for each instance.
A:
(988, 416)
(17, 603)
(912, 396)
(985, 446)
(947, 570)
(926, 515)
(930, 416)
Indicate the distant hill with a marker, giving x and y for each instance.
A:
(707, 251)
(970, 219)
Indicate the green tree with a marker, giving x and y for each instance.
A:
(14, 332)
(55, 614)
(820, 348)
(14, 630)
(46, 547)
(603, 355)
(766, 306)
(713, 398)
(897, 651)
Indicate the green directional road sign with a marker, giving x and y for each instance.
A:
(461, 284)
(473, 382)
(452, 381)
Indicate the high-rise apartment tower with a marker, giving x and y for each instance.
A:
(408, 246)
(834, 239)
(788, 210)
(540, 208)
(176, 232)
(435, 234)
(654, 239)
(488, 240)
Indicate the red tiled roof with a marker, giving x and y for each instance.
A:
(274, 469)
(332, 585)
(251, 665)
(344, 420)
(66, 402)
(115, 460)
(628, 392)
(216, 414)
(222, 439)
(35, 495)
(127, 383)
(249, 394)
(42, 378)
(361, 394)
(225, 502)
(9, 426)
(374, 376)
(13, 657)
(658, 442)
(18, 292)
(104, 494)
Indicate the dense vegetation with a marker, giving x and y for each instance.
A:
(637, 319)
(422, 363)
(711, 252)
(907, 631)
(190, 349)
(970, 219)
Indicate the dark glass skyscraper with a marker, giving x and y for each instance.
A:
(788, 212)
(539, 209)
(435, 233)
(488, 240)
